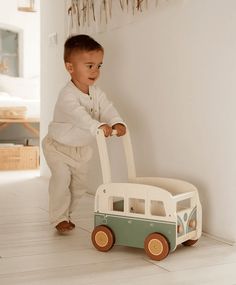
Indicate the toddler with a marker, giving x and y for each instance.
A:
(81, 109)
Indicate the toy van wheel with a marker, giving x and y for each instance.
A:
(156, 246)
(102, 238)
(190, 242)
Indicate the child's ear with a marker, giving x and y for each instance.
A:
(69, 67)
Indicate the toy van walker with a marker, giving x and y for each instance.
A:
(153, 213)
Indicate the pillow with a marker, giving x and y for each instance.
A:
(24, 88)
(4, 95)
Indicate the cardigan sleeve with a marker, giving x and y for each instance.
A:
(77, 113)
(108, 112)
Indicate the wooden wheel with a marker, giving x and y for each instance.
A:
(190, 242)
(156, 246)
(102, 238)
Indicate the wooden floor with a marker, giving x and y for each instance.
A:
(31, 252)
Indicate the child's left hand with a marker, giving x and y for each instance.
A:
(120, 128)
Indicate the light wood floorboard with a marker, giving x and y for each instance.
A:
(32, 253)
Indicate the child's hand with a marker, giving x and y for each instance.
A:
(120, 128)
(106, 129)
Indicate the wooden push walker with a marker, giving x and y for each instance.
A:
(153, 213)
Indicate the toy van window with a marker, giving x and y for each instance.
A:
(183, 205)
(157, 208)
(137, 206)
(117, 204)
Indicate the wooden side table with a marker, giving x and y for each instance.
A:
(4, 123)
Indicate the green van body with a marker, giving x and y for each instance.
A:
(132, 231)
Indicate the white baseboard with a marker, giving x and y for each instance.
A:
(232, 243)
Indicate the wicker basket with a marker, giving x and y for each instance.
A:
(19, 157)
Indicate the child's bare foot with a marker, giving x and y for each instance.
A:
(64, 226)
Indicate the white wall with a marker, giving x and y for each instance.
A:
(53, 74)
(29, 23)
(172, 76)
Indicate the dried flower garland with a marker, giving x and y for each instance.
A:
(87, 13)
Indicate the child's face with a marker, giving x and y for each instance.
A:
(84, 68)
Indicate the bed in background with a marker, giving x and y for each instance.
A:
(19, 102)
(19, 97)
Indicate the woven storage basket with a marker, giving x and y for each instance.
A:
(19, 157)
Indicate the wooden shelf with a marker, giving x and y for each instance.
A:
(25, 122)
(26, 9)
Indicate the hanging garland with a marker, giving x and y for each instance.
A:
(97, 15)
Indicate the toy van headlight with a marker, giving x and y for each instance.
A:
(180, 227)
(192, 224)
(192, 221)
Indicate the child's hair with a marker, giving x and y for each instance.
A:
(80, 43)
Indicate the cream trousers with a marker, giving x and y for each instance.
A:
(68, 167)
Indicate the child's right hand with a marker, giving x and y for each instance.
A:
(106, 129)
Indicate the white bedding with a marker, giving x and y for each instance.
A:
(22, 92)
(32, 105)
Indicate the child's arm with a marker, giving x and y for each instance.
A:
(77, 114)
(109, 114)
